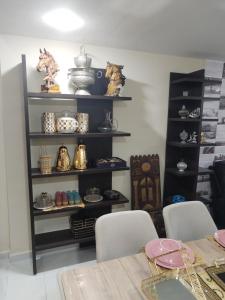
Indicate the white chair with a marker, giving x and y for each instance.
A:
(188, 221)
(123, 233)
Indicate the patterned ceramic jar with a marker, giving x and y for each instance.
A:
(48, 122)
(82, 119)
(66, 123)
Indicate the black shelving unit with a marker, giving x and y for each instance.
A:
(175, 182)
(99, 145)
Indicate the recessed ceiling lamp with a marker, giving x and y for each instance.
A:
(63, 20)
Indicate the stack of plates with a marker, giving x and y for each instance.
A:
(173, 260)
(220, 237)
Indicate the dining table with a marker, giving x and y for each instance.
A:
(121, 278)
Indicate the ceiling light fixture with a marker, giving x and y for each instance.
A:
(63, 20)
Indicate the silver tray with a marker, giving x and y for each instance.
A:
(35, 205)
(93, 198)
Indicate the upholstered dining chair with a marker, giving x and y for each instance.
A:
(123, 233)
(188, 221)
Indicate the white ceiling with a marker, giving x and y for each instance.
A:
(179, 27)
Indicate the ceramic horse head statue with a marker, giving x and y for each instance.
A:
(116, 79)
(48, 65)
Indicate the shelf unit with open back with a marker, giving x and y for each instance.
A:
(188, 90)
(99, 145)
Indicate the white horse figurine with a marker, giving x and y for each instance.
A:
(48, 65)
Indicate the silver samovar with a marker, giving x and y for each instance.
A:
(83, 75)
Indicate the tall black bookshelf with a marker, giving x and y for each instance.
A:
(185, 89)
(99, 145)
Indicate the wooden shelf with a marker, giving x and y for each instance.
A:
(207, 144)
(36, 135)
(56, 239)
(174, 171)
(205, 200)
(36, 172)
(212, 80)
(204, 171)
(182, 98)
(206, 99)
(209, 80)
(181, 145)
(210, 120)
(201, 171)
(187, 80)
(88, 205)
(213, 144)
(184, 120)
(75, 97)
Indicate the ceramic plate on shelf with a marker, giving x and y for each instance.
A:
(220, 237)
(173, 260)
(35, 205)
(93, 198)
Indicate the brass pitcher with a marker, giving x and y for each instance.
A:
(80, 157)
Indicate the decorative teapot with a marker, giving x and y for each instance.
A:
(66, 122)
(80, 157)
(82, 60)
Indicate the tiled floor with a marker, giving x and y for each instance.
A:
(18, 283)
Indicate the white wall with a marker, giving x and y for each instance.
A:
(145, 117)
(4, 224)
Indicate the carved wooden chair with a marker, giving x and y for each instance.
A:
(145, 187)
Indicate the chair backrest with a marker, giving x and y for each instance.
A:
(188, 221)
(123, 233)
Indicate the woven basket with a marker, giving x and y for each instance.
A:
(82, 228)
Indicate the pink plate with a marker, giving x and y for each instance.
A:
(220, 237)
(171, 261)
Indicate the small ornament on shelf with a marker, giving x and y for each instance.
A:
(109, 124)
(181, 166)
(185, 93)
(43, 201)
(82, 76)
(193, 138)
(195, 113)
(178, 198)
(76, 197)
(48, 121)
(83, 122)
(45, 161)
(66, 122)
(64, 199)
(70, 197)
(80, 157)
(48, 65)
(203, 138)
(183, 112)
(183, 136)
(63, 160)
(116, 79)
(58, 199)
